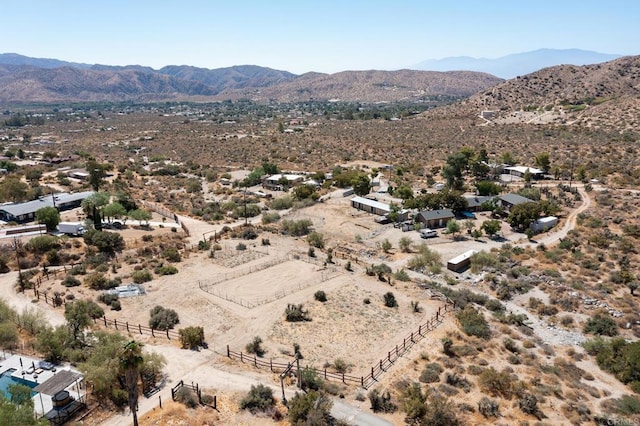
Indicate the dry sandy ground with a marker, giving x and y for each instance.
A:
(343, 327)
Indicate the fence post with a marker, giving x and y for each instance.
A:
(115, 322)
(105, 320)
(396, 350)
(412, 341)
(160, 400)
(215, 401)
(389, 356)
(372, 376)
(325, 373)
(127, 324)
(420, 330)
(228, 354)
(152, 334)
(241, 360)
(343, 379)
(255, 361)
(168, 334)
(362, 381)
(140, 328)
(381, 366)
(271, 364)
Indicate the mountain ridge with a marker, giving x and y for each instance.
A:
(510, 66)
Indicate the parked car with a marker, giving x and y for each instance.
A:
(428, 233)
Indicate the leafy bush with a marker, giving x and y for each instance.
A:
(296, 313)
(163, 318)
(496, 383)
(166, 270)
(296, 228)
(255, 347)
(172, 254)
(116, 305)
(401, 275)
(316, 239)
(141, 276)
(108, 298)
(618, 357)
(98, 281)
(281, 203)
(310, 408)
(70, 281)
(473, 323)
(259, 398)
(320, 296)
(191, 337)
(42, 244)
(310, 379)
(268, 218)
(187, 397)
(431, 373)
(601, 325)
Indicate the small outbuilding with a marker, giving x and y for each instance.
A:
(461, 262)
(544, 224)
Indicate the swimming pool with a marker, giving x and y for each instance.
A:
(6, 380)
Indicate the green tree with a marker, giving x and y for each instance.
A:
(542, 161)
(140, 215)
(19, 414)
(312, 408)
(523, 215)
(485, 188)
(78, 318)
(508, 158)
(49, 216)
(405, 244)
(97, 173)
(491, 227)
(53, 342)
(453, 227)
(13, 189)
(361, 184)
(114, 211)
(404, 192)
(106, 242)
(454, 168)
(131, 360)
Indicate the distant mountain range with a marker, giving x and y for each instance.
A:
(24, 79)
(518, 64)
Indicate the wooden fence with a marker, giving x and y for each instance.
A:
(136, 328)
(377, 369)
(279, 367)
(196, 389)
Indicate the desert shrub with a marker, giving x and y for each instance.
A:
(281, 203)
(296, 313)
(255, 347)
(316, 239)
(381, 402)
(496, 383)
(70, 281)
(401, 275)
(458, 381)
(312, 408)
(431, 373)
(617, 356)
(268, 218)
(98, 281)
(601, 325)
(366, 301)
(78, 270)
(163, 318)
(310, 379)
(191, 337)
(340, 365)
(494, 305)
(528, 404)
(473, 323)
(171, 254)
(510, 345)
(390, 300)
(628, 405)
(488, 407)
(320, 296)
(42, 244)
(187, 397)
(296, 228)
(141, 276)
(259, 398)
(116, 305)
(107, 298)
(241, 247)
(166, 270)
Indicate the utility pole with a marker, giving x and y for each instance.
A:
(571, 175)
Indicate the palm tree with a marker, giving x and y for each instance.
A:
(131, 360)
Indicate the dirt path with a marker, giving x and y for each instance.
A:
(22, 301)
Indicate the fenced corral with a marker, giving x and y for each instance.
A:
(160, 209)
(136, 328)
(281, 283)
(195, 389)
(50, 273)
(233, 258)
(280, 367)
(377, 369)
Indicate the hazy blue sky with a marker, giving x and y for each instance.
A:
(300, 36)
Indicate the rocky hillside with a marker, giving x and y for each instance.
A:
(374, 86)
(24, 79)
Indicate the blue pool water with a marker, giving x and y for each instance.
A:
(6, 380)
